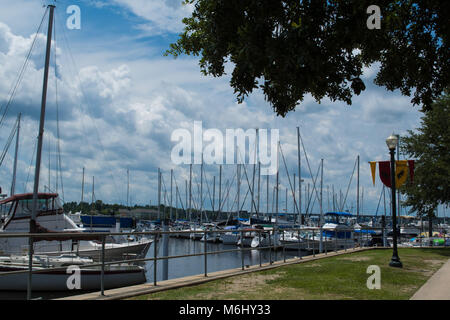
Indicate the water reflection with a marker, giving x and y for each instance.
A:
(188, 266)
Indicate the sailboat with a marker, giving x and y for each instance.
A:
(51, 218)
(57, 279)
(41, 213)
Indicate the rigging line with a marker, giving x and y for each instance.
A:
(165, 189)
(9, 141)
(226, 186)
(20, 76)
(312, 193)
(87, 111)
(246, 177)
(381, 194)
(177, 192)
(228, 192)
(202, 199)
(290, 184)
(29, 168)
(245, 198)
(191, 197)
(309, 167)
(58, 136)
(232, 206)
(209, 192)
(230, 210)
(348, 187)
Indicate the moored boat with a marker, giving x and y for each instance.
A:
(16, 215)
(63, 278)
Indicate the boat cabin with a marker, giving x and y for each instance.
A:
(337, 225)
(20, 206)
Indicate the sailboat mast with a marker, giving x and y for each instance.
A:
(259, 187)
(82, 187)
(357, 194)
(220, 190)
(186, 201)
(214, 194)
(293, 207)
(299, 175)
(159, 193)
(267, 195)
(190, 192)
(277, 184)
(13, 184)
(238, 174)
(201, 191)
(321, 193)
(42, 121)
(253, 206)
(93, 190)
(128, 189)
(171, 190)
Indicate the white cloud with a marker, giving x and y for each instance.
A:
(162, 15)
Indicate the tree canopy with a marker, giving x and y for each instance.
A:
(430, 146)
(290, 48)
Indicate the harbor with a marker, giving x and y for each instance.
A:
(134, 175)
(178, 257)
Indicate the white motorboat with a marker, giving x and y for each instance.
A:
(16, 213)
(196, 233)
(336, 234)
(291, 240)
(262, 239)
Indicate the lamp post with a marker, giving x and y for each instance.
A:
(391, 142)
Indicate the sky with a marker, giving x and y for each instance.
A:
(119, 99)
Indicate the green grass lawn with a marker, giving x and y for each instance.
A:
(337, 278)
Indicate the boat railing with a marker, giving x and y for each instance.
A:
(277, 241)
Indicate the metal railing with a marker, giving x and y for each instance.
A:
(309, 243)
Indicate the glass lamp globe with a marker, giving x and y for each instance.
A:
(392, 141)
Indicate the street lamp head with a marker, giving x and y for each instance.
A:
(392, 141)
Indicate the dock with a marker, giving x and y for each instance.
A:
(147, 288)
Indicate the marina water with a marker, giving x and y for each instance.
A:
(188, 266)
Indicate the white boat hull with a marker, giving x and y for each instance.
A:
(112, 251)
(327, 245)
(90, 279)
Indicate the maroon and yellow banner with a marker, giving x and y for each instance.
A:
(373, 169)
(385, 172)
(401, 171)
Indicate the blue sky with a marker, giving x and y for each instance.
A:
(120, 99)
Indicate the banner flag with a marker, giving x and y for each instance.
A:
(411, 170)
(401, 172)
(373, 168)
(385, 172)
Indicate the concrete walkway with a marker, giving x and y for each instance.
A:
(437, 287)
(146, 288)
